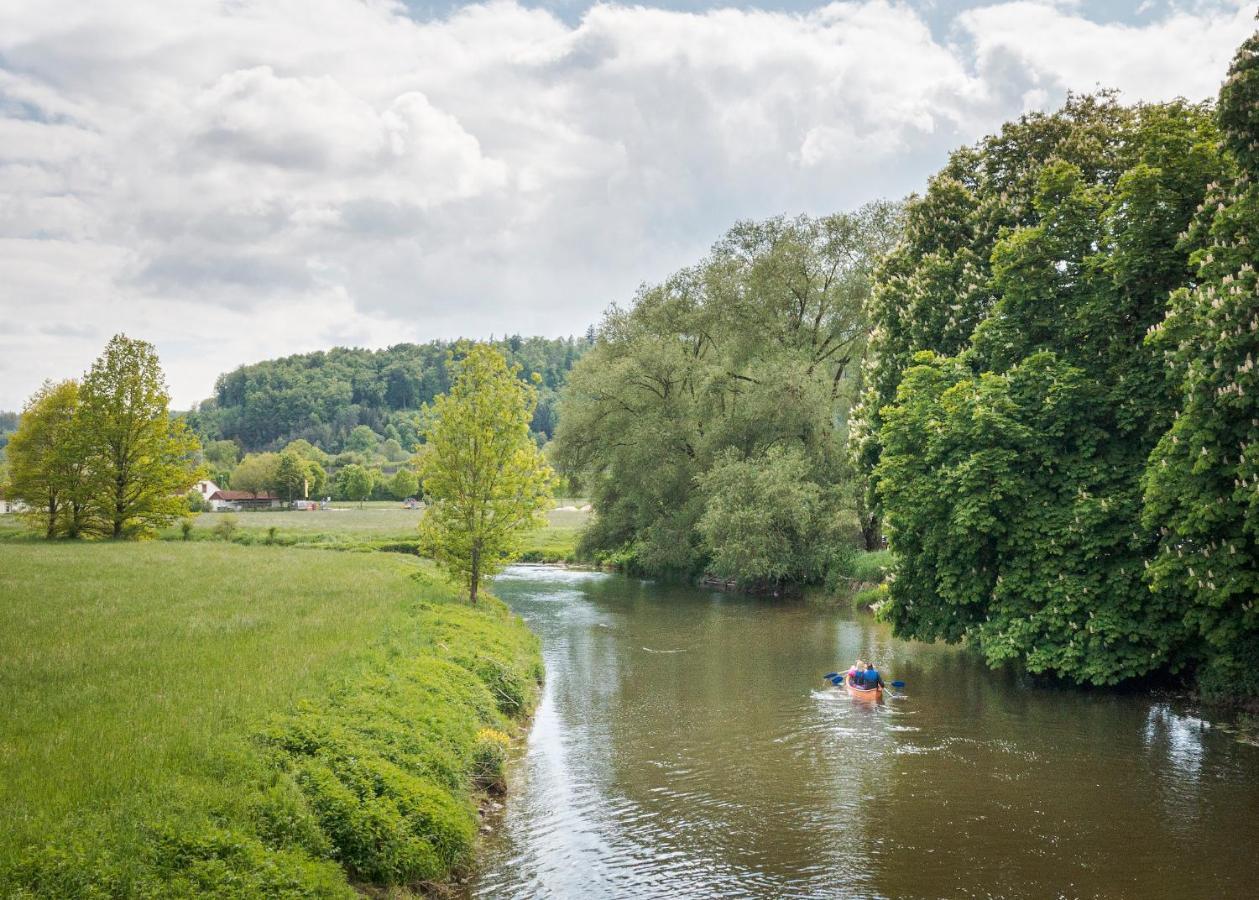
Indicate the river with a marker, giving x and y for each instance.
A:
(687, 746)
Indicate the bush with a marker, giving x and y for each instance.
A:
(872, 567)
(185, 529)
(489, 760)
(225, 528)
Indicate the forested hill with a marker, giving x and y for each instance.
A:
(323, 396)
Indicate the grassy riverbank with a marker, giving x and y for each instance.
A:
(192, 718)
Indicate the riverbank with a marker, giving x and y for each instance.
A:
(193, 718)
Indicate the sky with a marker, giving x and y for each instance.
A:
(235, 180)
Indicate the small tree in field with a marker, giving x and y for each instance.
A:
(140, 459)
(482, 471)
(47, 469)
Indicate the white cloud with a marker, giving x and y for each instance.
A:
(240, 180)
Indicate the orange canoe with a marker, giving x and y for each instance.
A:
(864, 693)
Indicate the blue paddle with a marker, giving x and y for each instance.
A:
(836, 678)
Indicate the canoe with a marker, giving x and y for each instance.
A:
(864, 693)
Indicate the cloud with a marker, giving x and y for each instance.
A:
(240, 180)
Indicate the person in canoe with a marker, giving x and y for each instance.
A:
(870, 678)
(855, 670)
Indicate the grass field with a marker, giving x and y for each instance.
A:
(183, 719)
(379, 525)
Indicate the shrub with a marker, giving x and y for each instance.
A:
(225, 528)
(872, 567)
(185, 529)
(489, 760)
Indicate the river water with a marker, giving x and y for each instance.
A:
(686, 746)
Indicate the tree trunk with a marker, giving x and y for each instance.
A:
(52, 518)
(870, 533)
(474, 577)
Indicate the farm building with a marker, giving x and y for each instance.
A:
(237, 501)
(205, 487)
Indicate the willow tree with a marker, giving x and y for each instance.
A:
(482, 471)
(1202, 485)
(141, 461)
(755, 348)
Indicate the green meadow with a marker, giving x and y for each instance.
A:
(376, 525)
(191, 718)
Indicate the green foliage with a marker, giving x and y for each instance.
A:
(104, 458)
(256, 473)
(362, 440)
(323, 397)
(404, 484)
(185, 529)
(290, 476)
(140, 460)
(48, 460)
(324, 732)
(765, 521)
(225, 526)
(1202, 484)
(489, 759)
(1010, 471)
(754, 348)
(355, 482)
(484, 477)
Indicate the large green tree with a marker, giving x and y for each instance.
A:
(355, 482)
(935, 287)
(141, 460)
(1010, 472)
(755, 348)
(257, 473)
(47, 463)
(483, 474)
(1202, 485)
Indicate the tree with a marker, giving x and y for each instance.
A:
(141, 461)
(935, 287)
(1202, 482)
(291, 476)
(754, 348)
(355, 482)
(483, 473)
(257, 473)
(47, 463)
(363, 440)
(316, 479)
(392, 450)
(766, 522)
(404, 484)
(1010, 470)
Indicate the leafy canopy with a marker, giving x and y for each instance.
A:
(483, 474)
(754, 348)
(140, 461)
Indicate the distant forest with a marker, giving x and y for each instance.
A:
(321, 397)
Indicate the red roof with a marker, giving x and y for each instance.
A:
(242, 495)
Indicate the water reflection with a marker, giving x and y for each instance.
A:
(686, 746)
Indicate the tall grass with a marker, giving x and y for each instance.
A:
(190, 718)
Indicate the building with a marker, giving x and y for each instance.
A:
(205, 487)
(238, 501)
